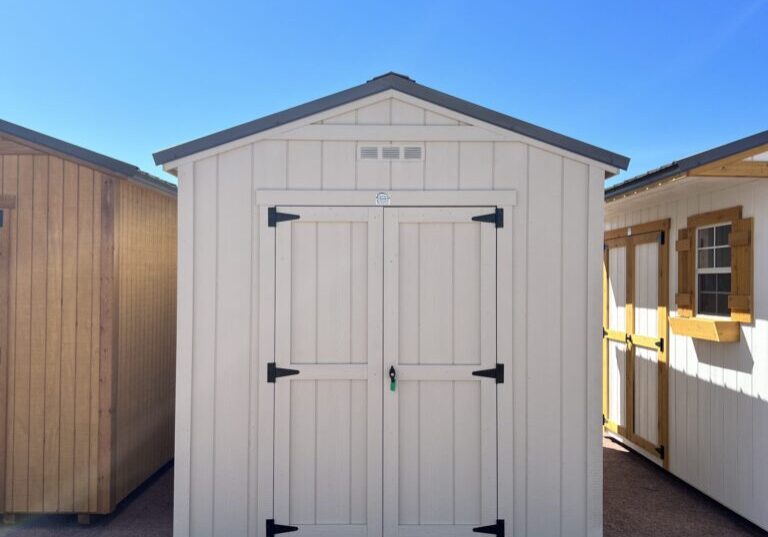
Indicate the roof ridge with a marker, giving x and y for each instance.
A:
(404, 84)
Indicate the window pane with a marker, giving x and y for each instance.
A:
(722, 305)
(723, 257)
(706, 258)
(708, 303)
(724, 283)
(706, 237)
(721, 235)
(708, 282)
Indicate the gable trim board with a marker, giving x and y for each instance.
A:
(403, 84)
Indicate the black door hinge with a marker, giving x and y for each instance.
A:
(660, 344)
(605, 332)
(2, 214)
(273, 217)
(660, 451)
(275, 529)
(661, 237)
(494, 373)
(604, 420)
(274, 372)
(494, 529)
(496, 217)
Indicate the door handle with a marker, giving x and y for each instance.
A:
(392, 378)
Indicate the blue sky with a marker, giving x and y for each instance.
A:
(654, 80)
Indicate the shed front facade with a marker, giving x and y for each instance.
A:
(387, 301)
(685, 336)
(87, 325)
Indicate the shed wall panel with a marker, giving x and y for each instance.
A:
(144, 408)
(550, 475)
(718, 393)
(49, 464)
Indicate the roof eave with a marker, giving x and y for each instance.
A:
(404, 85)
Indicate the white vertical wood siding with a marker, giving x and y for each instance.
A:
(718, 393)
(553, 455)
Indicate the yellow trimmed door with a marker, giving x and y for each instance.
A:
(635, 388)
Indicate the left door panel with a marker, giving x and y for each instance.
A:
(328, 327)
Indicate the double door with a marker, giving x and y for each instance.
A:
(635, 336)
(385, 372)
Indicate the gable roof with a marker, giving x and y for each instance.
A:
(680, 167)
(85, 155)
(405, 85)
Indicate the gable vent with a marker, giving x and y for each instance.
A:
(412, 152)
(369, 152)
(390, 152)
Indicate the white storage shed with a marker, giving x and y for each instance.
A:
(388, 321)
(688, 387)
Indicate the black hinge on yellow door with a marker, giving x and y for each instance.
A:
(274, 217)
(496, 217)
(494, 529)
(275, 529)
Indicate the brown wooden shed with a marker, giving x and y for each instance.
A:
(87, 325)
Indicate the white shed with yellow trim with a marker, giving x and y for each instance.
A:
(685, 320)
(387, 302)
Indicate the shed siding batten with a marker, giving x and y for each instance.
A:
(550, 459)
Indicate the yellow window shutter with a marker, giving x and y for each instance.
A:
(740, 299)
(685, 271)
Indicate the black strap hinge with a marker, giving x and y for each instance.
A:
(494, 373)
(274, 372)
(496, 217)
(662, 237)
(273, 217)
(275, 529)
(494, 529)
(660, 344)
(660, 451)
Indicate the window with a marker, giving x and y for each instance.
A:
(713, 269)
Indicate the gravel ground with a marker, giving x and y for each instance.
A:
(147, 512)
(641, 499)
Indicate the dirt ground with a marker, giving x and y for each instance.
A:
(640, 500)
(147, 512)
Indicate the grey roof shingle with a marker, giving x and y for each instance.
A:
(405, 85)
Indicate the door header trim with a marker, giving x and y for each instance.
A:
(397, 198)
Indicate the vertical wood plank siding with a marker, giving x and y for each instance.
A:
(718, 393)
(553, 455)
(146, 276)
(54, 360)
(50, 464)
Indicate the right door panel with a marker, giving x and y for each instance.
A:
(439, 327)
